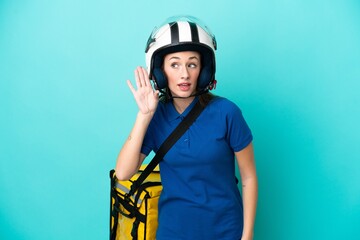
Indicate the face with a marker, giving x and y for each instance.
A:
(182, 70)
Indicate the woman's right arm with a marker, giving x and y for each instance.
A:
(130, 156)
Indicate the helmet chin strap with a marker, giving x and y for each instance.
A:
(193, 95)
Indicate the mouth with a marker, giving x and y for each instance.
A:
(184, 86)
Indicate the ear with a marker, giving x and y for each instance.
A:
(160, 79)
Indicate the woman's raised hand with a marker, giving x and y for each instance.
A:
(145, 96)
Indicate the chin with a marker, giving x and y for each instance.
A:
(182, 94)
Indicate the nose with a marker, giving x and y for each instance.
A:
(184, 73)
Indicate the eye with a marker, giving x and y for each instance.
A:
(192, 65)
(174, 65)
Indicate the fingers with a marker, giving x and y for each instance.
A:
(156, 93)
(142, 82)
(130, 86)
(142, 77)
(137, 78)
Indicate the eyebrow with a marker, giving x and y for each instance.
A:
(190, 58)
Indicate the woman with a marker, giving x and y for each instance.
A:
(200, 197)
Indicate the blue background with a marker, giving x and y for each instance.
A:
(292, 67)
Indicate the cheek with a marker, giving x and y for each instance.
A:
(196, 75)
(170, 77)
(171, 74)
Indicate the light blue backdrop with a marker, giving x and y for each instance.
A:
(292, 66)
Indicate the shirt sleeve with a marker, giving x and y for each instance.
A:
(238, 132)
(148, 143)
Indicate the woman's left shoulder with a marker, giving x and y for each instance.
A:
(224, 104)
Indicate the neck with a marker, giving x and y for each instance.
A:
(181, 104)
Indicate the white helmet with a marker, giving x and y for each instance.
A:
(181, 33)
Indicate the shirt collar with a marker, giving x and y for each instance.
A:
(173, 114)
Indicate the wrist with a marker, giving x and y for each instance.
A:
(247, 236)
(148, 114)
(145, 117)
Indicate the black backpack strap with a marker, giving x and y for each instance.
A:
(167, 144)
(164, 148)
(114, 217)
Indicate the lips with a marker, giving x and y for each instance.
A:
(184, 86)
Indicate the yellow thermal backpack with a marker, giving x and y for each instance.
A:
(135, 216)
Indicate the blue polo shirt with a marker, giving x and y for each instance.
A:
(200, 198)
